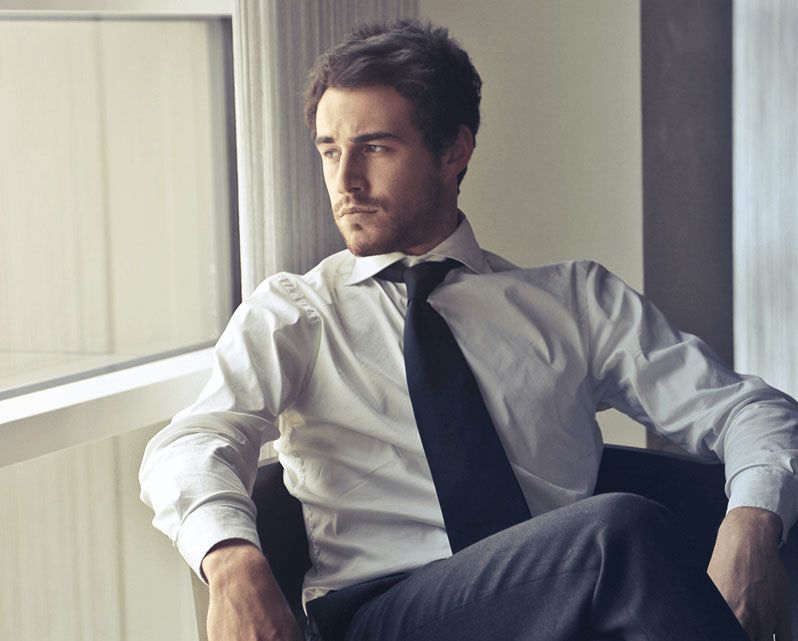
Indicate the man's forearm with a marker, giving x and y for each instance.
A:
(748, 571)
(246, 603)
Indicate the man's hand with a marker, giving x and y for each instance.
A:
(748, 571)
(246, 603)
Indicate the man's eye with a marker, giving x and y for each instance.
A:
(331, 153)
(375, 149)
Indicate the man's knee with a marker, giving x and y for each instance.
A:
(590, 526)
(619, 513)
(626, 507)
(628, 518)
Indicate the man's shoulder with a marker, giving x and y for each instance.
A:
(318, 283)
(566, 269)
(574, 280)
(330, 273)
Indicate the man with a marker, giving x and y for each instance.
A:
(410, 537)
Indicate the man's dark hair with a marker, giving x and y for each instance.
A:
(420, 61)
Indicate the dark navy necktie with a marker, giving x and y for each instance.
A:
(478, 492)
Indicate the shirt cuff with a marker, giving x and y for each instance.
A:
(206, 526)
(769, 488)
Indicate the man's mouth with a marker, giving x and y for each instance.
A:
(356, 210)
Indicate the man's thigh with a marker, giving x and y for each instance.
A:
(595, 568)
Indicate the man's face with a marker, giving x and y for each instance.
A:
(387, 190)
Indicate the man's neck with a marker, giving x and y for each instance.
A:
(438, 238)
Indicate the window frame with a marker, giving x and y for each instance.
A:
(132, 395)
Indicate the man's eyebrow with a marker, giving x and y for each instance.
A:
(376, 135)
(367, 137)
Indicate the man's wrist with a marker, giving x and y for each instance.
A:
(231, 558)
(759, 524)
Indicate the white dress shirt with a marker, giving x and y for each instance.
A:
(548, 346)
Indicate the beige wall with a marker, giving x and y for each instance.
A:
(80, 560)
(557, 172)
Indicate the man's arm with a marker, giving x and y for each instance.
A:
(748, 571)
(246, 603)
(197, 473)
(673, 383)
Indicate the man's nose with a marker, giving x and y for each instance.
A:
(350, 176)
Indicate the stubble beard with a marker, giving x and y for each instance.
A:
(399, 234)
(387, 240)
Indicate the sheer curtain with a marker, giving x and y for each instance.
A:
(765, 191)
(285, 219)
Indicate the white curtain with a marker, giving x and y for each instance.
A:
(766, 190)
(284, 213)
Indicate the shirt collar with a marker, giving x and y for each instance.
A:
(460, 245)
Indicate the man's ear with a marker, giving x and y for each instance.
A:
(456, 156)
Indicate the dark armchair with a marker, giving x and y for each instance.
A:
(692, 489)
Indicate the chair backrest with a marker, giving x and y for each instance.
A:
(281, 529)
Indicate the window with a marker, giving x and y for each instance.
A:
(118, 240)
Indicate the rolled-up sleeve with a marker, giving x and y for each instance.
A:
(197, 473)
(674, 383)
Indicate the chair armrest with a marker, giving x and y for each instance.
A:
(691, 488)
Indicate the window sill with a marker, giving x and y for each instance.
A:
(67, 415)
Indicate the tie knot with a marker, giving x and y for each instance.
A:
(423, 278)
